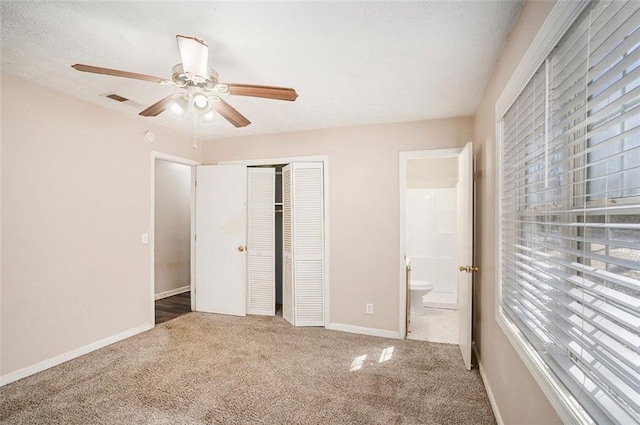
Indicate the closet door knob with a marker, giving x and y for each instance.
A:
(241, 248)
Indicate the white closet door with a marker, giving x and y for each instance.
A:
(221, 235)
(261, 241)
(288, 307)
(308, 243)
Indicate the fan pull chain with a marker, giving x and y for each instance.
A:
(195, 127)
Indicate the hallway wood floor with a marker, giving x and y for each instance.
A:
(172, 307)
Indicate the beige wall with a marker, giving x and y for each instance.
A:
(73, 270)
(76, 182)
(364, 203)
(517, 395)
(172, 226)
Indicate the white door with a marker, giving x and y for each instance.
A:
(288, 307)
(261, 276)
(221, 234)
(303, 206)
(465, 251)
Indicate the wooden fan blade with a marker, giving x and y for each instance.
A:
(158, 107)
(230, 113)
(268, 92)
(118, 73)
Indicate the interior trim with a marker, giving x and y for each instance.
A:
(70, 355)
(363, 330)
(557, 23)
(152, 223)
(487, 386)
(327, 222)
(172, 292)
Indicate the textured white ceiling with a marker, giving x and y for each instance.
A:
(351, 63)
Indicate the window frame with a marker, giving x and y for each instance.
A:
(559, 20)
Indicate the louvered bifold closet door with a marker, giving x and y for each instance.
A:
(571, 212)
(288, 307)
(303, 225)
(261, 241)
(308, 243)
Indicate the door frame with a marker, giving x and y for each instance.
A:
(402, 284)
(325, 172)
(192, 164)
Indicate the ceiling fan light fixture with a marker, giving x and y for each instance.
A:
(209, 116)
(178, 106)
(204, 92)
(201, 103)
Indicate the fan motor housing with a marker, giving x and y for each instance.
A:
(184, 79)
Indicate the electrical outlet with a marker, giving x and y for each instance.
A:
(369, 308)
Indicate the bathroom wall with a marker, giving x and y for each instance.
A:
(431, 241)
(432, 173)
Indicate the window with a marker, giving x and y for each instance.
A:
(570, 217)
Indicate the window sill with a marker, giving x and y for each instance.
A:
(565, 406)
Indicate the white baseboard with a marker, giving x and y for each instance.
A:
(172, 292)
(492, 400)
(69, 355)
(362, 330)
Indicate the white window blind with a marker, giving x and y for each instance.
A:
(570, 214)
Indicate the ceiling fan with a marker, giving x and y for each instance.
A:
(203, 90)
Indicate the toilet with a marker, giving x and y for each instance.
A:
(418, 289)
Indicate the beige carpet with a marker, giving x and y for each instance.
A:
(206, 369)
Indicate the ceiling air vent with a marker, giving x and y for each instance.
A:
(117, 98)
(122, 99)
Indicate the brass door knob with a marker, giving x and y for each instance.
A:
(468, 269)
(241, 248)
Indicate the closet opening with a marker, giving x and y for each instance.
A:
(263, 226)
(279, 239)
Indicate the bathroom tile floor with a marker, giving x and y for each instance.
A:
(435, 325)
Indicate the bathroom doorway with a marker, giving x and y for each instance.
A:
(435, 241)
(431, 250)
